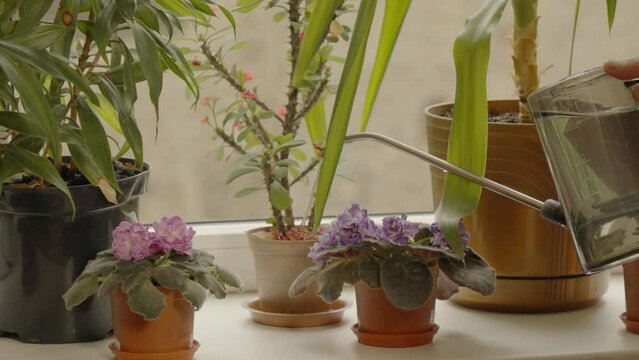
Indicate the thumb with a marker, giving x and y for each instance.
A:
(623, 70)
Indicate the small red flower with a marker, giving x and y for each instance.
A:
(248, 76)
(318, 147)
(248, 94)
(281, 112)
(208, 100)
(238, 124)
(196, 62)
(301, 35)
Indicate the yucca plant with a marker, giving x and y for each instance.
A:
(471, 55)
(69, 69)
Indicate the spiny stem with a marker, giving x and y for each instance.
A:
(308, 169)
(230, 142)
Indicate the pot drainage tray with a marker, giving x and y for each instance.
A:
(331, 316)
(176, 355)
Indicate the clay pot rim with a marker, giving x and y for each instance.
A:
(428, 111)
(395, 340)
(250, 233)
(185, 354)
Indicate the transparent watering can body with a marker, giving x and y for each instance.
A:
(589, 128)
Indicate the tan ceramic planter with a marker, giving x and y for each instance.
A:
(631, 288)
(277, 265)
(170, 336)
(537, 266)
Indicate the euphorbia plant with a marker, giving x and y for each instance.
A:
(143, 258)
(397, 257)
(68, 69)
(266, 137)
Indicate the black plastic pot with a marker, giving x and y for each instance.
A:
(43, 248)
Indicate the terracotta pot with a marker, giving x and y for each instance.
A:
(277, 265)
(631, 287)
(537, 267)
(168, 337)
(383, 325)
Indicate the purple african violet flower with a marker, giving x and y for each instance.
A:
(351, 227)
(398, 230)
(171, 233)
(131, 241)
(440, 241)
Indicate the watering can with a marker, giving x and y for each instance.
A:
(589, 128)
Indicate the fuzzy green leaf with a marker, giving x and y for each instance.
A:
(212, 284)
(331, 282)
(369, 270)
(469, 130)
(146, 300)
(303, 280)
(314, 35)
(194, 293)
(169, 277)
(343, 105)
(473, 273)
(81, 290)
(229, 278)
(109, 284)
(394, 13)
(280, 198)
(407, 284)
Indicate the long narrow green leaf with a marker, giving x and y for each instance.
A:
(106, 23)
(394, 15)
(314, 34)
(51, 64)
(611, 6)
(22, 123)
(33, 98)
(343, 104)
(316, 123)
(107, 113)
(127, 122)
(574, 35)
(97, 142)
(38, 165)
(151, 64)
(39, 37)
(467, 143)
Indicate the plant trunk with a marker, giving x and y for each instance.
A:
(524, 44)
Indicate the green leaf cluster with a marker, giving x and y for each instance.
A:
(405, 273)
(193, 276)
(66, 76)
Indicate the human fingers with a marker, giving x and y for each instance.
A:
(623, 70)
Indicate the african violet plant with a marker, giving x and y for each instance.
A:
(266, 138)
(69, 68)
(397, 257)
(143, 258)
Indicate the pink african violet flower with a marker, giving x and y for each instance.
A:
(281, 111)
(131, 241)
(171, 233)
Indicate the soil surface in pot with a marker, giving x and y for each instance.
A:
(72, 175)
(297, 233)
(497, 117)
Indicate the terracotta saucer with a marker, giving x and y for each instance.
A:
(176, 355)
(332, 316)
(395, 340)
(631, 325)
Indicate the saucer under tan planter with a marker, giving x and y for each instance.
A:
(277, 265)
(537, 267)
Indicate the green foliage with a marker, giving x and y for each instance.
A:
(467, 143)
(404, 273)
(66, 97)
(192, 275)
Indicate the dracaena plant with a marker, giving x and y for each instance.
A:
(69, 69)
(399, 257)
(468, 136)
(265, 138)
(143, 258)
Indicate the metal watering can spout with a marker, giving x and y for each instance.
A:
(549, 209)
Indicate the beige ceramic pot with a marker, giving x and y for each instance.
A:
(631, 289)
(537, 267)
(277, 265)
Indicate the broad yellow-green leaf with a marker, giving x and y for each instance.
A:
(107, 113)
(97, 142)
(343, 104)
(151, 64)
(316, 124)
(467, 143)
(314, 34)
(611, 7)
(39, 166)
(280, 198)
(394, 14)
(33, 99)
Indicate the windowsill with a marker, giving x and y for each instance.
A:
(226, 332)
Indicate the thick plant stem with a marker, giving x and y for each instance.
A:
(524, 56)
